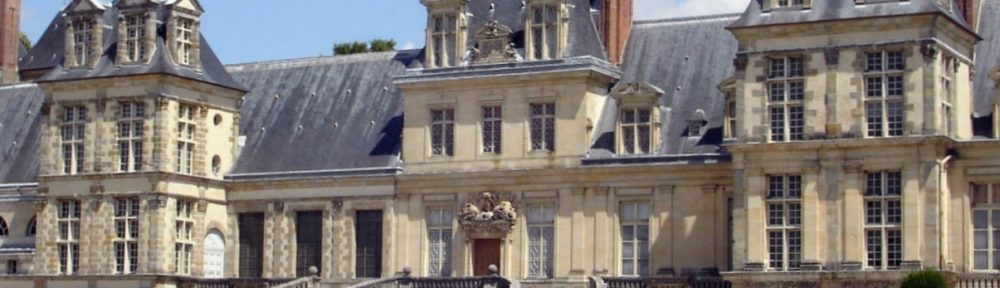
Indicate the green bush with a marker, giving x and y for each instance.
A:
(925, 279)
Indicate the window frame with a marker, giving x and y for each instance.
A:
(542, 138)
(443, 29)
(948, 68)
(879, 187)
(492, 130)
(546, 247)
(443, 228)
(790, 78)
(126, 240)
(784, 194)
(630, 141)
(544, 34)
(442, 143)
(185, 40)
(887, 104)
(991, 207)
(130, 158)
(187, 128)
(640, 221)
(68, 219)
(83, 40)
(184, 236)
(135, 39)
(74, 122)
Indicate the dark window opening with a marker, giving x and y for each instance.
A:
(251, 231)
(308, 240)
(368, 225)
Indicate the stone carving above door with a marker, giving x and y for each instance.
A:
(490, 216)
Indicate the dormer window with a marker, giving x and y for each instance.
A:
(694, 128)
(83, 42)
(444, 39)
(543, 21)
(134, 42)
(638, 118)
(788, 4)
(185, 38)
(636, 128)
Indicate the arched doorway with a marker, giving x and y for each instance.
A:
(215, 255)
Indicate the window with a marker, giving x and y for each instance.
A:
(251, 234)
(439, 233)
(947, 95)
(694, 128)
(74, 130)
(130, 126)
(636, 126)
(884, 89)
(127, 235)
(786, 92)
(184, 243)
(443, 132)
(883, 219)
(308, 242)
(185, 138)
(444, 39)
(30, 232)
(214, 258)
(4, 231)
(541, 236)
(69, 236)
(83, 41)
(784, 222)
(544, 32)
(731, 119)
(11, 267)
(368, 240)
(635, 238)
(185, 41)
(790, 3)
(492, 129)
(135, 39)
(986, 227)
(543, 127)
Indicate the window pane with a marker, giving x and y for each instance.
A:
(982, 260)
(981, 240)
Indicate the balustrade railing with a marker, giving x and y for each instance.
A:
(659, 282)
(404, 280)
(231, 283)
(978, 281)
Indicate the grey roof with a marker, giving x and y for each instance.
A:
(830, 10)
(20, 132)
(584, 39)
(338, 114)
(987, 58)
(21, 52)
(48, 55)
(687, 58)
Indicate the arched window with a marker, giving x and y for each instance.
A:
(31, 227)
(215, 255)
(3, 227)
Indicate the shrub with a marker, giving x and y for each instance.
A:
(925, 279)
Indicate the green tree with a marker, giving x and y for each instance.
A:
(25, 41)
(382, 45)
(348, 48)
(925, 279)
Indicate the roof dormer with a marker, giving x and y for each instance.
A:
(183, 32)
(447, 32)
(136, 31)
(545, 26)
(84, 33)
(771, 5)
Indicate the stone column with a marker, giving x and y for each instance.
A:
(70, 52)
(812, 219)
(854, 218)
(756, 220)
(662, 232)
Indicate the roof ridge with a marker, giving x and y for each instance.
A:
(686, 19)
(323, 59)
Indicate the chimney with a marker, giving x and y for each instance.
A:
(10, 39)
(970, 11)
(616, 23)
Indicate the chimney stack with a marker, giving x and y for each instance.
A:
(616, 23)
(970, 10)
(10, 40)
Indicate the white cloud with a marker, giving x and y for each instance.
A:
(409, 45)
(655, 9)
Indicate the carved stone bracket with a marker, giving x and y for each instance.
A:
(338, 204)
(930, 50)
(279, 207)
(40, 203)
(95, 202)
(202, 206)
(741, 62)
(832, 56)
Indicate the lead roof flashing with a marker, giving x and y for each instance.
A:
(582, 63)
(312, 175)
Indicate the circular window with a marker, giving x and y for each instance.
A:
(216, 164)
(217, 119)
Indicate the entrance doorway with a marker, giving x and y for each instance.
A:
(487, 252)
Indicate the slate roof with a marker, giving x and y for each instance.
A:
(321, 116)
(687, 58)
(830, 10)
(584, 39)
(48, 54)
(987, 58)
(20, 132)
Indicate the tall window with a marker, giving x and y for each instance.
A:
(884, 219)
(543, 127)
(69, 236)
(4, 230)
(636, 130)
(184, 240)
(786, 92)
(308, 242)
(368, 240)
(74, 130)
(11, 267)
(135, 38)
(947, 95)
(884, 89)
(544, 21)
(492, 129)
(185, 41)
(784, 222)
(986, 227)
(444, 37)
(251, 233)
(439, 233)
(443, 132)
(31, 231)
(83, 37)
(541, 236)
(127, 235)
(730, 118)
(185, 138)
(635, 238)
(130, 125)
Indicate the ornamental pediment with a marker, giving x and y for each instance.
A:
(494, 44)
(490, 216)
(637, 92)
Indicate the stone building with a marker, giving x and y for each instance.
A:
(799, 143)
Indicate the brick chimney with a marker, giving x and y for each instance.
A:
(970, 10)
(616, 23)
(10, 39)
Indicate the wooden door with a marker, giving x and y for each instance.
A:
(487, 252)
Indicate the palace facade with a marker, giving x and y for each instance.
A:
(805, 143)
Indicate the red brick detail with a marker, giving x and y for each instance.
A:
(616, 21)
(10, 39)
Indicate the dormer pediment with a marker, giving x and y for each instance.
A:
(495, 44)
(637, 94)
(191, 6)
(135, 3)
(85, 6)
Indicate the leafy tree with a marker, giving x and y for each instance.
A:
(350, 48)
(25, 41)
(925, 279)
(383, 45)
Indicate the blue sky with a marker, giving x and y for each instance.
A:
(255, 30)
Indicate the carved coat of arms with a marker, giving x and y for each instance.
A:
(490, 217)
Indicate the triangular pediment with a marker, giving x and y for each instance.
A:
(130, 3)
(640, 88)
(192, 5)
(84, 6)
